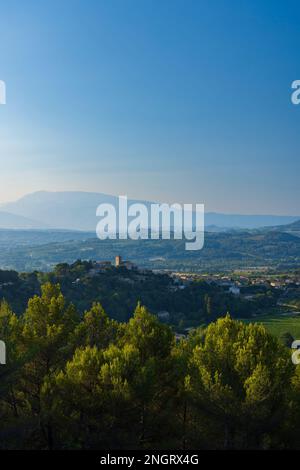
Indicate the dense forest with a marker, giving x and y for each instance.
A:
(90, 382)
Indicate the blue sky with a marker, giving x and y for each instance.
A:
(171, 100)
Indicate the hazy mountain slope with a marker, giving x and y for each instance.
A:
(13, 221)
(77, 211)
(67, 210)
(243, 221)
(294, 227)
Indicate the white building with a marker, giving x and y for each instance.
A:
(235, 290)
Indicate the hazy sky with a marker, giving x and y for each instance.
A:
(174, 100)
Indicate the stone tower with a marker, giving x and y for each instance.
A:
(118, 261)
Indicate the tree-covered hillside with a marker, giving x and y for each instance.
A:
(120, 289)
(42, 250)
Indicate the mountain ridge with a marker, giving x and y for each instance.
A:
(76, 210)
(15, 221)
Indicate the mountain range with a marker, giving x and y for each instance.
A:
(76, 210)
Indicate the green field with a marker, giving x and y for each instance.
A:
(278, 324)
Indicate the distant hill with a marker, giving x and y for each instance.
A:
(13, 221)
(295, 226)
(242, 221)
(41, 250)
(75, 210)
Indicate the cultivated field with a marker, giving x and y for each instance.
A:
(278, 324)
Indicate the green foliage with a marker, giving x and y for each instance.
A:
(94, 383)
(239, 375)
(287, 339)
(119, 291)
(96, 329)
